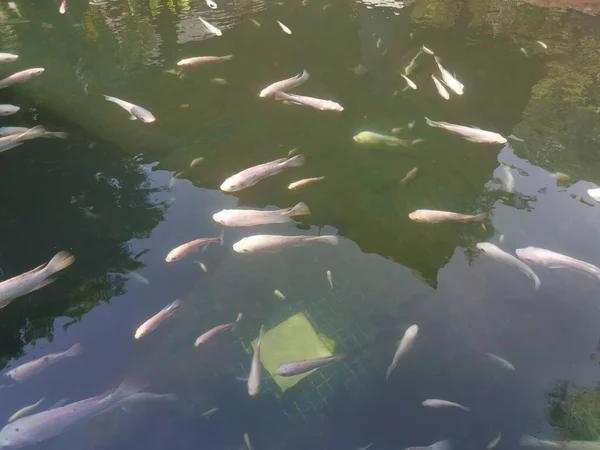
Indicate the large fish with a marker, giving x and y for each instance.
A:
(14, 140)
(435, 216)
(469, 133)
(198, 60)
(21, 77)
(193, 246)
(137, 112)
(47, 424)
(317, 103)
(406, 343)
(33, 280)
(450, 81)
(285, 85)
(371, 138)
(7, 131)
(31, 368)
(256, 367)
(8, 57)
(297, 367)
(251, 176)
(271, 242)
(154, 322)
(205, 337)
(553, 260)
(500, 255)
(251, 217)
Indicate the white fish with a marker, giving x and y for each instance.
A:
(8, 57)
(292, 368)
(251, 217)
(468, 133)
(247, 442)
(437, 403)
(440, 445)
(317, 103)
(304, 182)
(198, 60)
(450, 81)
(594, 193)
(7, 131)
(21, 77)
(495, 441)
(63, 7)
(26, 410)
(209, 413)
(426, 50)
(154, 322)
(189, 247)
(500, 361)
(31, 368)
(553, 260)
(406, 343)
(285, 29)
(211, 28)
(509, 179)
(251, 176)
(137, 112)
(435, 216)
(207, 336)
(14, 140)
(256, 367)
(279, 294)
(544, 46)
(202, 266)
(285, 85)
(271, 242)
(502, 256)
(440, 88)
(34, 279)
(211, 4)
(7, 110)
(371, 138)
(330, 278)
(410, 82)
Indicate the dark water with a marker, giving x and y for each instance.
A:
(107, 195)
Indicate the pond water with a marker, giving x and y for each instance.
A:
(120, 194)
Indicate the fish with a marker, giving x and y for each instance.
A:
(317, 103)
(285, 85)
(397, 130)
(437, 403)
(14, 140)
(410, 83)
(450, 80)
(440, 88)
(26, 410)
(440, 445)
(154, 322)
(500, 255)
(410, 175)
(7, 131)
(524, 51)
(271, 242)
(304, 182)
(553, 260)
(435, 216)
(211, 4)
(207, 336)
(141, 397)
(214, 30)
(413, 64)
(292, 368)
(406, 343)
(530, 441)
(251, 217)
(256, 367)
(193, 246)
(137, 112)
(247, 441)
(559, 176)
(501, 238)
(495, 441)
(426, 50)
(198, 60)
(8, 110)
(417, 141)
(255, 22)
(500, 361)
(594, 193)
(47, 424)
(249, 177)
(330, 278)
(209, 413)
(370, 138)
(543, 44)
(469, 133)
(33, 280)
(360, 70)
(196, 162)
(411, 125)
(21, 77)
(279, 294)
(509, 179)
(63, 7)
(379, 43)
(218, 81)
(285, 29)
(32, 368)
(8, 57)
(202, 266)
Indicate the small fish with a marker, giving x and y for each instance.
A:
(524, 51)
(317, 103)
(198, 60)
(440, 445)
(412, 173)
(509, 179)
(214, 30)
(13, 7)
(8, 110)
(437, 403)
(440, 88)
(304, 182)
(500, 361)
(330, 278)
(196, 162)
(411, 125)
(8, 57)
(249, 177)
(544, 46)
(500, 255)
(370, 138)
(426, 50)
(559, 176)
(33, 280)
(137, 277)
(255, 22)
(26, 410)
(142, 397)
(501, 238)
(7, 131)
(21, 77)
(450, 80)
(218, 81)
(553, 260)
(209, 413)
(154, 322)
(379, 43)
(406, 343)
(202, 266)
(256, 367)
(290, 369)
(410, 82)
(207, 336)
(285, 85)
(417, 141)
(137, 112)
(413, 64)
(270, 242)
(31, 368)
(469, 133)
(250, 217)
(360, 70)
(63, 7)
(247, 441)
(193, 246)
(397, 130)
(285, 29)
(279, 294)
(436, 216)
(211, 4)
(495, 442)
(594, 193)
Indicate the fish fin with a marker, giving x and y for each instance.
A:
(132, 117)
(332, 240)
(296, 161)
(430, 122)
(127, 388)
(537, 283)
(281, 96)
(389, 370)
(75, 350)
(173, 306)
(481, 217)
(40, 267)
(58, 134)
(304, 76)
(441, 445)
(301, 209)
(60, 261)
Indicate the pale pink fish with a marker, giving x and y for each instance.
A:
(440, 88)
(21, 77)
(252, 217)
(193, 246)
(437, 403)
(285, 29)
(196, 61)
(317, 103)
(154, 322)
(272, 242)
(252, 175)
(406, 343)
(304, 182)
(63, 7)
(31, 368)
(44, 425)
(205, 337)
(285, 85)
(435, 216)
(469, 133)
(298, 367)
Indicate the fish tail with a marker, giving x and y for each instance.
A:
(441, 445)
(61, 261)
(296, 161)
(127, 388)
(389, 370)
(74, 350)
(437, 59)
(332, 240)
(465, 408)
(304, 76)
(481, 217)
(430, 122)
(58, 134)
(301, 209)
(173, 306)
(227, 58)
(537, 283)
(171, 397)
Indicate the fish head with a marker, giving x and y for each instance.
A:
(529, 254)
(142, 115)
(265, 93)
(360, 137)
(483, 246)
(140, 333)
(221, 217)
(242, 246)
(12, 436)
(415, 215)
(232, 184)
(173, 256)
(36, 72)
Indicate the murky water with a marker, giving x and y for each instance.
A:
(120, 194)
